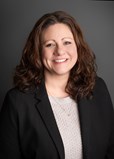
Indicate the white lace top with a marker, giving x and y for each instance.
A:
(67, 118)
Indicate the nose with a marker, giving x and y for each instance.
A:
(59, 50)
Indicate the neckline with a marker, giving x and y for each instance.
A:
(62, 100)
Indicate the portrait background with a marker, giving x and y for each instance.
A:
(17, 18)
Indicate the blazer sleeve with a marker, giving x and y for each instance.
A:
(110, 110)
(9, 138)
(110, 151)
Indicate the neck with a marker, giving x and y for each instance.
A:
(56, 85)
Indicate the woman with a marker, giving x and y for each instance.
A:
(59, 108)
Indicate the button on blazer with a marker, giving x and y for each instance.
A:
(28, 129)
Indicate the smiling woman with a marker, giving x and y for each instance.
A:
(30, 71)
(59, 107)
(59, 51)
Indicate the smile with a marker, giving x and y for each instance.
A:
(60, 60)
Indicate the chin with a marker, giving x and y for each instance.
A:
(61, 73)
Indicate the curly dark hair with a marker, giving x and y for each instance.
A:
(30, 71)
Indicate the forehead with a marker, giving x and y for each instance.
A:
(57, 30)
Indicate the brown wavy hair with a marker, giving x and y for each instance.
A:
(30, 71)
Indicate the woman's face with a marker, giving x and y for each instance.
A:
(59, 51)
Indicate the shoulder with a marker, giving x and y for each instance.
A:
(101, 93)
(100, 82)
(15, 98)
(16, 93)
(100, 86)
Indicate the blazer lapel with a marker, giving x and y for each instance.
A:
(44, 108)
(85, 108)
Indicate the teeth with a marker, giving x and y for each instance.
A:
(60, 60)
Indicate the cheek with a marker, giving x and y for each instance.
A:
(44, 55)
(74, 58)
(74, 53)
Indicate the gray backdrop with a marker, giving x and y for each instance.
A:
(17, 18)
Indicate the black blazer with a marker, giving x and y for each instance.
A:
(28, 129)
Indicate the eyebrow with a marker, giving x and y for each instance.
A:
(67, 38)
(47, 41)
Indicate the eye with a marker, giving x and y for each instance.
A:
(67, 42)
(50, 45)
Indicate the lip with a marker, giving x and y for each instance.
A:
(60, 60)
